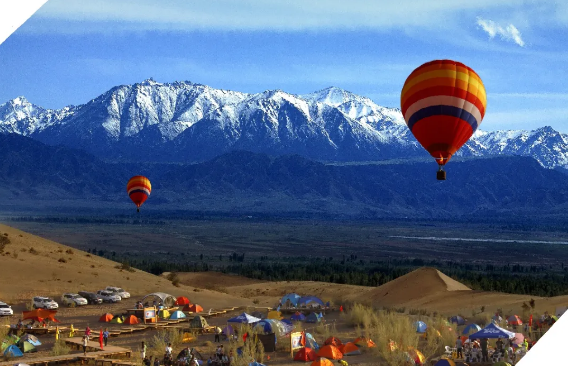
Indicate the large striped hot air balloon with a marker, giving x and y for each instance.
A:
(443, 103)
(138, 189)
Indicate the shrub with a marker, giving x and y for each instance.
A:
(62, 260)
(33, 251)
(69, 251)
(256, 301)
(161, 339)
(60, 348)
(3, 242)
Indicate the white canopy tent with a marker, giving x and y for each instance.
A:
(161, 298)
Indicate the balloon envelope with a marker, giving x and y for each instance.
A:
(139, 188)
(443, 103)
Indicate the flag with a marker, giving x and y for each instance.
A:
(303, 340)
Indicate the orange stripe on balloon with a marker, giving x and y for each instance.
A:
(443, 81)
(443, 90)
(467, 78)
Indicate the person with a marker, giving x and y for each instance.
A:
(88, 331)
(169, 350)
(217, 334)
(526, 345)
(71, 331)
(85, 343)
(459, 347)
(146, 361)
(156, 362)
(225, 360)
(106, 334)
(143, 350)
(341, 309)
(210, 361)
(57, 333)
(499, 345)
(218, 352)
(232, 358)
(484, 352)
(101, 336)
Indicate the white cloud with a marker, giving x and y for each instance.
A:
(508, 33)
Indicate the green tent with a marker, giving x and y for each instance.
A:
(27, 347)
(198, 322)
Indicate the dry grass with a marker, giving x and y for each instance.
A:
(60, 348)
(158, 343)
(252, 350)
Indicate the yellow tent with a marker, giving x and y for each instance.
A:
(164, 314)
(116, 320)
(274, 314)
(187, 337)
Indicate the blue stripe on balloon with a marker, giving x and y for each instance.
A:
(139, 190)
(443, 110)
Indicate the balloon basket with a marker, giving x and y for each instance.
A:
(441, 175)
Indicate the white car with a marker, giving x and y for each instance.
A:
(5, 309)
(118, 291)
(69, 299)
(44, 303)
(108, 296)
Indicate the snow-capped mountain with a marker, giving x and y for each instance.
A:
(187, 122)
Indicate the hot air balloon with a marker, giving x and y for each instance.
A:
(138, 189)
(443, 103)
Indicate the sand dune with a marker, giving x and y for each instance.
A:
(33, 266)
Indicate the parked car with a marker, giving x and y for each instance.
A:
(91, 297)
(108, 296)
(118, 291)
(69, 299)
(44, 303)
(5, 309)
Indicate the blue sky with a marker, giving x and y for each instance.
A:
(71, 51)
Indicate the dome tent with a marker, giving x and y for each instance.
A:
(167, 300)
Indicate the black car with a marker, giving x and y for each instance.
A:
(91, 297)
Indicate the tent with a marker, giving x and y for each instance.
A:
(13, 351)
(322, 362)
(30, 338)
(116, 320)
(457, 319)
(293, 298)
(313, 318)
(298, 317)
(416, 355)
(310, 301)
(333, 341)
(330, 352)
(492, 331)
(228, 330)
(305, 354)
(514, 320)
(349, 349)
(363, 341)
(256, 364)
(274, 314)
(272, 326)
(244, 318)
(166, 300)
(194, 308)
(40, 315)
(311, 342)
(472, 328)
(198, 322)
(131, 320)
(445, 362)
(106, 318)
(177, 315)
(182, 300)
(27, 347)
(164, 314)
(420, 326)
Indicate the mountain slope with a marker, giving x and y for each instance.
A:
(188, 122)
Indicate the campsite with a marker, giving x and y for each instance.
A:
(338, 321)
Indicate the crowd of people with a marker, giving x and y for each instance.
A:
(478, 349)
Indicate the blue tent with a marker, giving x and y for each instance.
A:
(31, 339)
(471, 328)
(313, 318)
(256, 364)
(311, 342)
(177, 315)
(298, 317)
(420, 326)
(492, 331)
(244, 318)
(13, 351)
(287, 321)
(273, 326)
(458, 320)
(292, 297)
(304, 301)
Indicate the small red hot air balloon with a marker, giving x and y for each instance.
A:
(443, 103)
(138, 189)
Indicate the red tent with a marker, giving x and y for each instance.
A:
(305, 354)
(194, 308)
(182, 300)
(330, 352)
(131, 320)
(514, 320)
(333, 341)
(105, 318)
(40, 314)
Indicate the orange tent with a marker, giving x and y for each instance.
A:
(350, 348)
(305, 354)
(105, 318)
(182, 300)
(330, 351)
(40, 314)
(333, 341)
(322, 362)
(362, 341)
(131, 320)
(195, 308)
